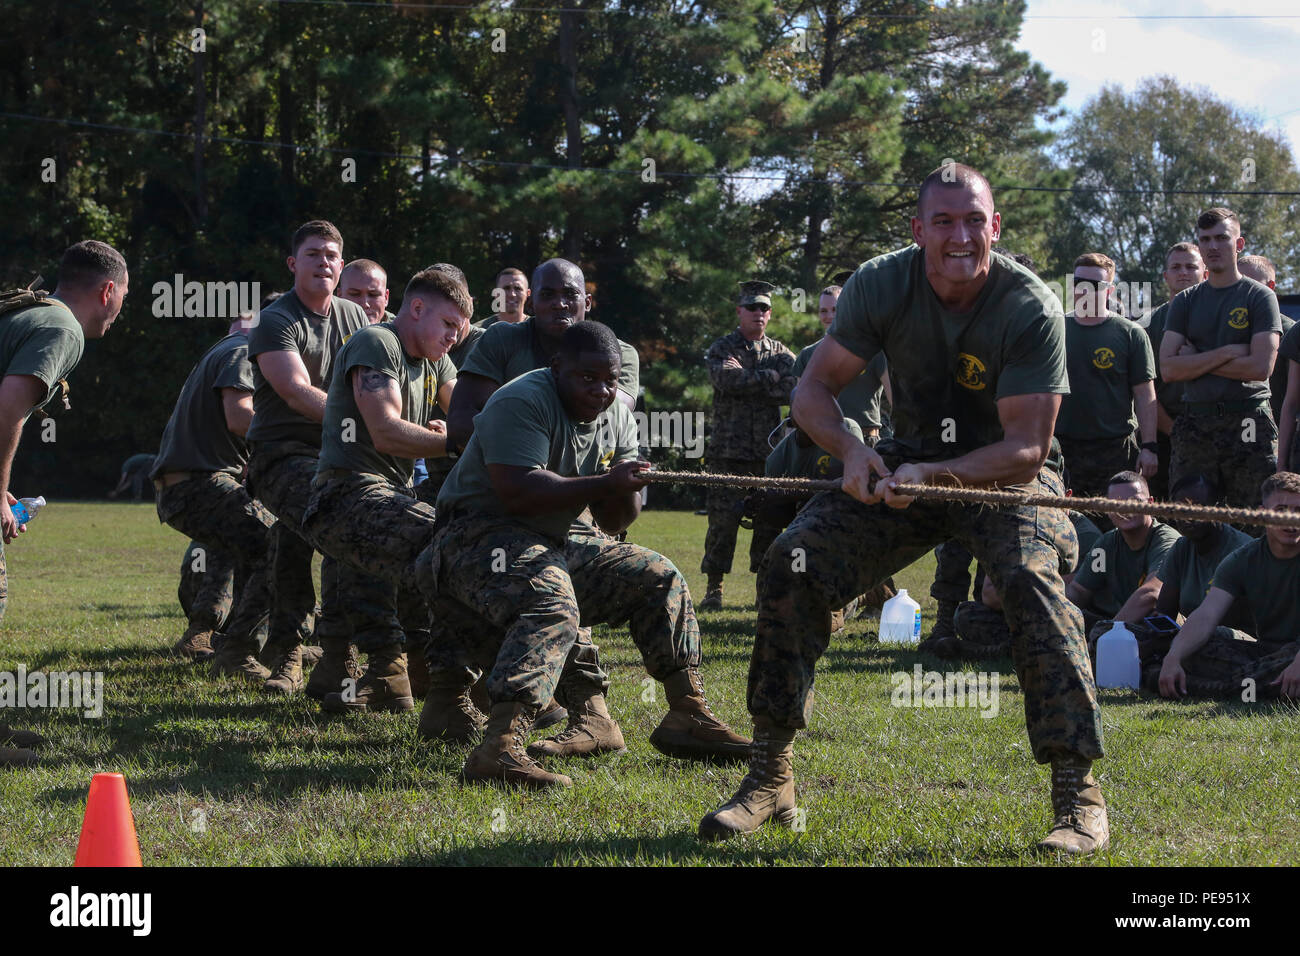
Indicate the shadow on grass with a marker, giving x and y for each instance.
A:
(132, 611)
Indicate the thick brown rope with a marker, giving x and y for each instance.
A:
(993, 496)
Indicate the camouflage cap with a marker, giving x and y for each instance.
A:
(755, 292)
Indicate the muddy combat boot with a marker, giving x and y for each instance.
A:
(713, 596)
(417, 671)
(384, 686)
(450, 716)
(1081, 825)
(501, 758)
(690, 730)
(339, 663)
(286, 673)
(195, 644)
(238, 658)
(766, 793)
(23, 739)
(550, 715)
(591, 731)
(17, 757)
(311, 654)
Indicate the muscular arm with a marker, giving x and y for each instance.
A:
(1196, 630)
(616, 513)
(380, 402)
(1185, 368)
(1027, 422)
(1141, 602)
(471, 394)
(534, 491)
(238, 408)
(19, 394)
(1287, 417)
(444, 395)
(1256, 366)
(288, 376)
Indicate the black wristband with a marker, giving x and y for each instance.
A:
(1151, 446)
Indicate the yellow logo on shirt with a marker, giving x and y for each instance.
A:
(1239, 318)
(1103, 359)
(824, 465)
(606, 459)
(970, 372)
(428, 384)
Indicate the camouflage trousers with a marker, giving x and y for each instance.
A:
(1093, 462)
(771, 513)
(983, 631)
(726, 506)
(838, 546)
(216, 509)
(207, 587)
(952, 580)
(376, 530)
(1217, 446)
(517, 599)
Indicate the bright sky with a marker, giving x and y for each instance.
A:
(1252, 63)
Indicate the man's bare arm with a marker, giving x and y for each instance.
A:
(1258, 365)
(533, 491)
(380, 402)
(237, 405)
(19, 394)
(286, 374)
(1185, 368)
(471, 394)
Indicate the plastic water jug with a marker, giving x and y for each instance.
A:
(1118, 663)
(26, 508)
(900, 619)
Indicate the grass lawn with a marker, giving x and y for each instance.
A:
(219, 774)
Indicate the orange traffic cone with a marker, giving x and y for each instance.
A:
(108, 830)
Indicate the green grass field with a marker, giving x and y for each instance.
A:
(219, 774)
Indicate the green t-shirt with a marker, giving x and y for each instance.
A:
(1277, 381)
(44, 341)
(860, 399)
(286, 325)
(196, 437)
(1168, 394)
(524, 423)
(508, 350)
(1269, 587)
(1210, 318)
(1290, 347)
(1122, 570)
(947, 366)
(1105, 362)
(1192, 572)
(1088, 534)
(789, 460)
(345, 439)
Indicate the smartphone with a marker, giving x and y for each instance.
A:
(1161, 624)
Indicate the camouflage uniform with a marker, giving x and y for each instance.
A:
(1211, 444)
(206, 595)
(746, 409)
(952, 579)
(1222, 665)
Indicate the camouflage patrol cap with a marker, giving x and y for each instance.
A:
(755, 292)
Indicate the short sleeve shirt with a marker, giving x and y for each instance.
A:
(1087, 533)
(508, 350)
(345, 440)
(1269, 587)
(44, 341)
(1193, 573)
(1168, 394)
(789, 460)
(525, 424)
(1106, 362)
(1210, 318)
(286, 325)
(197, 437)
(1122, 570)
(860, 399)
(948, 367)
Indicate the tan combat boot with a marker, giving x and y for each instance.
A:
(550, 715)
(1081, 825)
(591, 731)
(195, 644)
(450, 716)
(286, 675)
(17, 757)
(691, 730)
(339, 663)
(238, 658)
(713, 596)
(383, 687)
(766, 793)
(501, 758)
(20, 738)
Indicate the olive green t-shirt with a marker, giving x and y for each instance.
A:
(525, 424)
(789, 460)
(1269, 587)
(1122, 570)
(860, 399)
(1277, 381)
(1210, 318)
(508, 350)
(1087, 533)
(286, 325)
(947, 368)
(345, 440)
(44, 341)
(1105, 363)
(1193, 573)
(1290, 347)
(197, 437)
(1168, 394)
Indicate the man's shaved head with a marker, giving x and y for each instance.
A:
(558, 297)
(368, 266)
(951, 176)
(561, 267)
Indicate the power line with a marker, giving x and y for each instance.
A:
(609, 171)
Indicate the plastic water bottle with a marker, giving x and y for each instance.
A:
(1118, 661)
(900, 619)
(27, 508)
